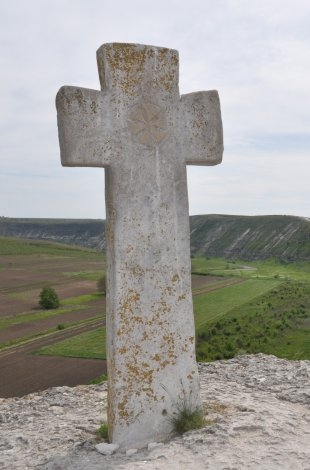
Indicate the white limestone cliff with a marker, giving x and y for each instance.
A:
(258, 412)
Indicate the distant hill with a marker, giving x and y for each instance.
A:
(251, 237)
(230, 236)
(86, 233)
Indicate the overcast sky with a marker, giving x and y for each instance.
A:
(256, 53)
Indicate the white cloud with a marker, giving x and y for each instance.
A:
(256, 53)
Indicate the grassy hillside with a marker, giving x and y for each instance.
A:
(250, 238)
(277, 322)
(228, 236)
(18, 246)
(85, 233)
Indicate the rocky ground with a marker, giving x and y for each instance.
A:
(258, 410)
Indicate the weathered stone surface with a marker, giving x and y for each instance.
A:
(106, 448)
(131, 452)
(258, 407)
(141, 130)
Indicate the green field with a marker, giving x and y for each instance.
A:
(258, 306)
(214, 305)
(26, 266)
(91, 345)
(267, 269)
(276, 322)
(268, 311)
(19, 246)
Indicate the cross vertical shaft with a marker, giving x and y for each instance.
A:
(140, 130)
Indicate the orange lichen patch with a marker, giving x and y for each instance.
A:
(65, 98)
(123, 412)
(138, 271)
(139, 377)
(156, 357)
(127, 305)
(169, 350)
(125, 66)
(164, 364)
(167, 77)
(169, 290)
(145, 336)
(127, 314)
(167, 338)
(150, 393)
(133, 369)
(145, 364)
(165, 307)
(94, 107)
(79, 97)
(137, 319)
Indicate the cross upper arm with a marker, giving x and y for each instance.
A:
(84, 127)
(202, 131)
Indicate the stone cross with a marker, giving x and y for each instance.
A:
(141, 130)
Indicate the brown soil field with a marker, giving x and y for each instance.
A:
(21, 372)
(21, 330)
(199, 281)
(27, 300)
(21, 280)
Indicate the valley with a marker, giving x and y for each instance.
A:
(240, 307)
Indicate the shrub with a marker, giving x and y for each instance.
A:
(186, 419)
(48, 298)
(101, 284)
(103, 431)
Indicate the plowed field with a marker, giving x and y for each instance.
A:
(26, 328)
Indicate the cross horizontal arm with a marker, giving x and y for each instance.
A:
(84, 127)
(202, 132)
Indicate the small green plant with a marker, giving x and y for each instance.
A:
(98, 380)
(101, 284)
(61, 326)
(187, 418)
(103, 431)
(48, 298)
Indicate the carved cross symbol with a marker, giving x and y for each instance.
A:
(147, 123)
(141, 130)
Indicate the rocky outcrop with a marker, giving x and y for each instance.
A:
(258, 411)
(257, 237)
